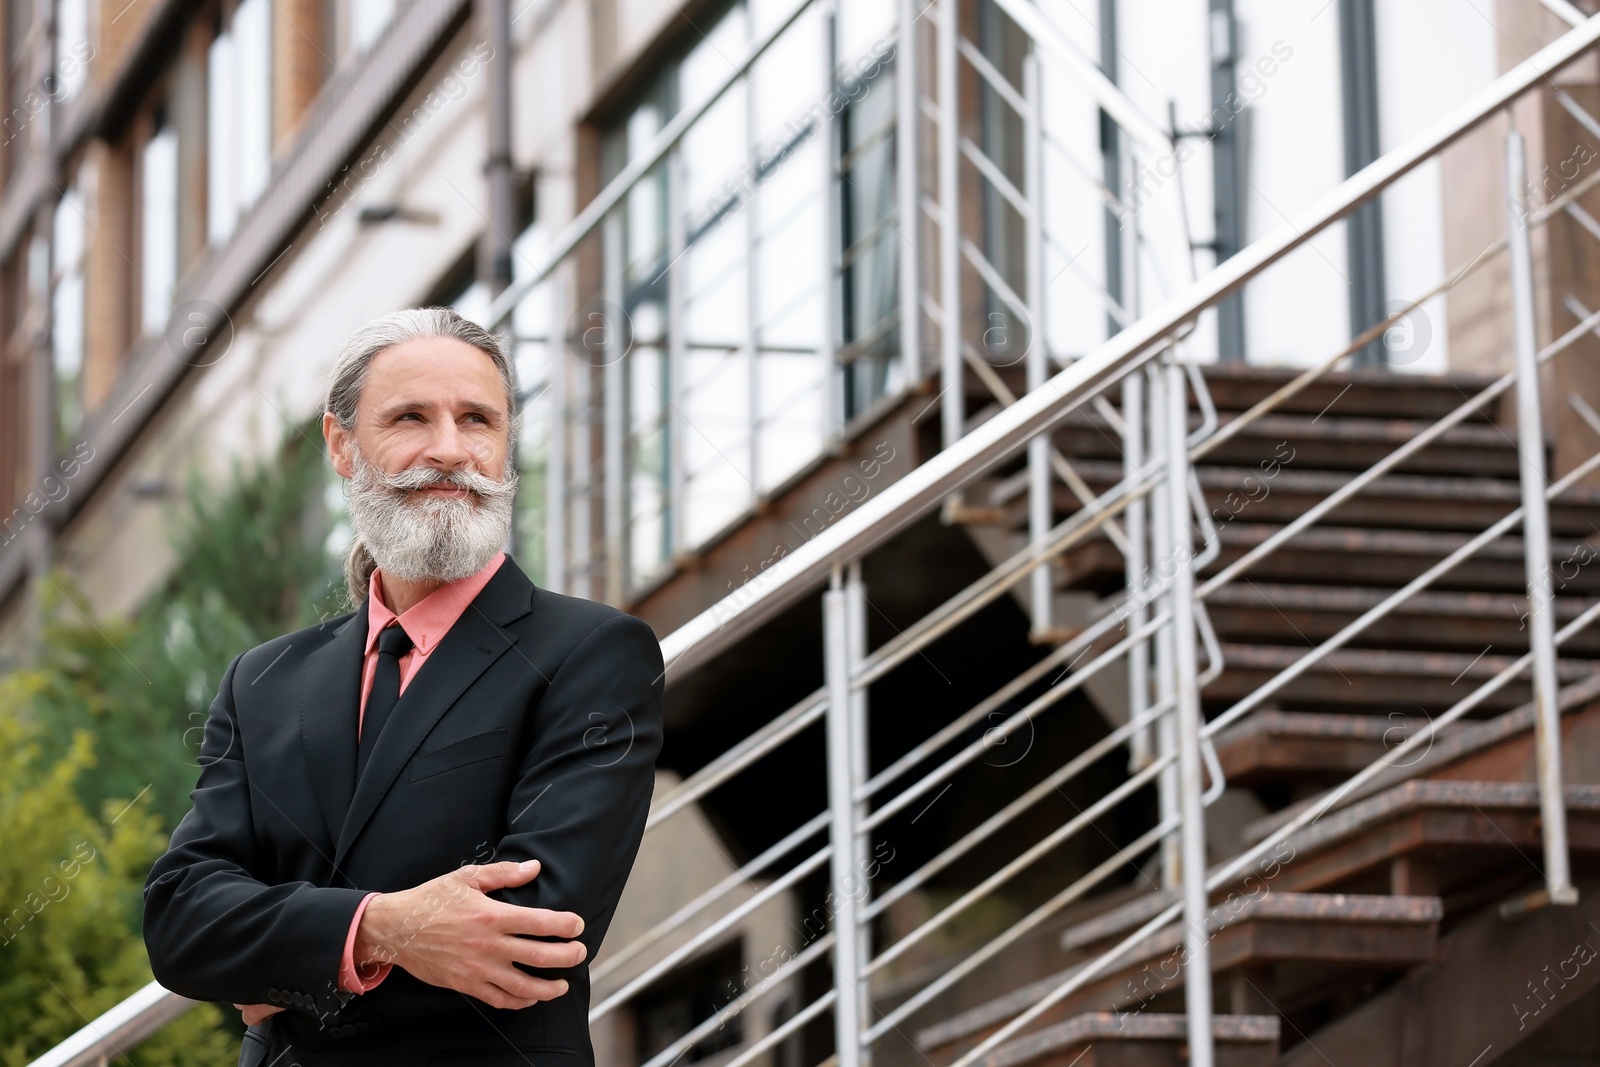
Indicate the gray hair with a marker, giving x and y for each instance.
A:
(349, 377)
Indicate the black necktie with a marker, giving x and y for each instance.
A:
(393, 642)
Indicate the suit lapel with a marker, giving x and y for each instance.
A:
(330, 694)
(477, 640)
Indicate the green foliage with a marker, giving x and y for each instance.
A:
(108, 720)
(251, 566)
(69, 899)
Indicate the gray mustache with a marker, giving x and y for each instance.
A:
(423, 477)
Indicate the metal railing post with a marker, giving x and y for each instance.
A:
(1136, 567)
(855, 591)
(614, 441)
(834, 414)
(953, 406)
(1040, 513)
(909, 188)
(842, 784)
(1536, 536)
(677, 352)
(750, 354)
(1197, 963)
(1162, 539)
(580, 501)
(555, 486)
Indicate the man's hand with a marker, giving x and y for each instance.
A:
(255, 1013)
(447, 933)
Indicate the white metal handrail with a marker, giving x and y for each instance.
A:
(118, 1028)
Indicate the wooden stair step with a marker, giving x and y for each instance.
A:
(1366, 836)
(1148, 1039)
(1405, 501)
(1341, 555)
(1495, 742)
(1236, 388)
(1340, 928)
(1269, 745)
(1261, 612)
(1380, 680)
(1309, 443)
(1372, 393)
(1355, 556)
(1325, 933)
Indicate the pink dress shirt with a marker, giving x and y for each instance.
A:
(426, 622)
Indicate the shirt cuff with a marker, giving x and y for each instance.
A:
(349, 979)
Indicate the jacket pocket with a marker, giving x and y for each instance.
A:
(474, 749)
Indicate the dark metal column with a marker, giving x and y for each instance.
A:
(1358, 67)
(1227, 174)
(1111, 153)
(494, 266)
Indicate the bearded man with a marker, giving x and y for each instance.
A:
(413, 822)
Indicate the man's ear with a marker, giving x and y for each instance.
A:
(339, 441)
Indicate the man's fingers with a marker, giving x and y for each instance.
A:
(526, 987)
(544, 953)
(515, 919)
(496, 997)
(255, 1013)
(503, 875)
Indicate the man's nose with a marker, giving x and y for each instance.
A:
(447, 447)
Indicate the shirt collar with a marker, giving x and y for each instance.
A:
(429, 619)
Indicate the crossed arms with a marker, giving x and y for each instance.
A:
(218, 926)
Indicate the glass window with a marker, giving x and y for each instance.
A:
(739, 292)
(367, 21)
(533, 329)
(641, 231)
(72, 49)
(66, 312)
(869, 310)
(158, 241)
(238, 117)
(1004, 338)
(23, 104)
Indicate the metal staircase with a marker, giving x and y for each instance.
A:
(1370, 633)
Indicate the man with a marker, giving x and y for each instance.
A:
(413, 822)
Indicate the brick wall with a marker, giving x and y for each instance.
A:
(114, 27)
(14, 422)
(300, 39)
(107, 179)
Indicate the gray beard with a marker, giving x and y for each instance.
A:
(429, 539)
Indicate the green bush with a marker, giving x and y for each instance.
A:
(70, 892)
(251, 566)
(107, 719)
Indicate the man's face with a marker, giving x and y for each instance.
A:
(428, 478)
(436, 403)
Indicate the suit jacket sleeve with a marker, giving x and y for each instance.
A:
(214, 929)
(584, 787)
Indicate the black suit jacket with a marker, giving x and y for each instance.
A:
(531, 731)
